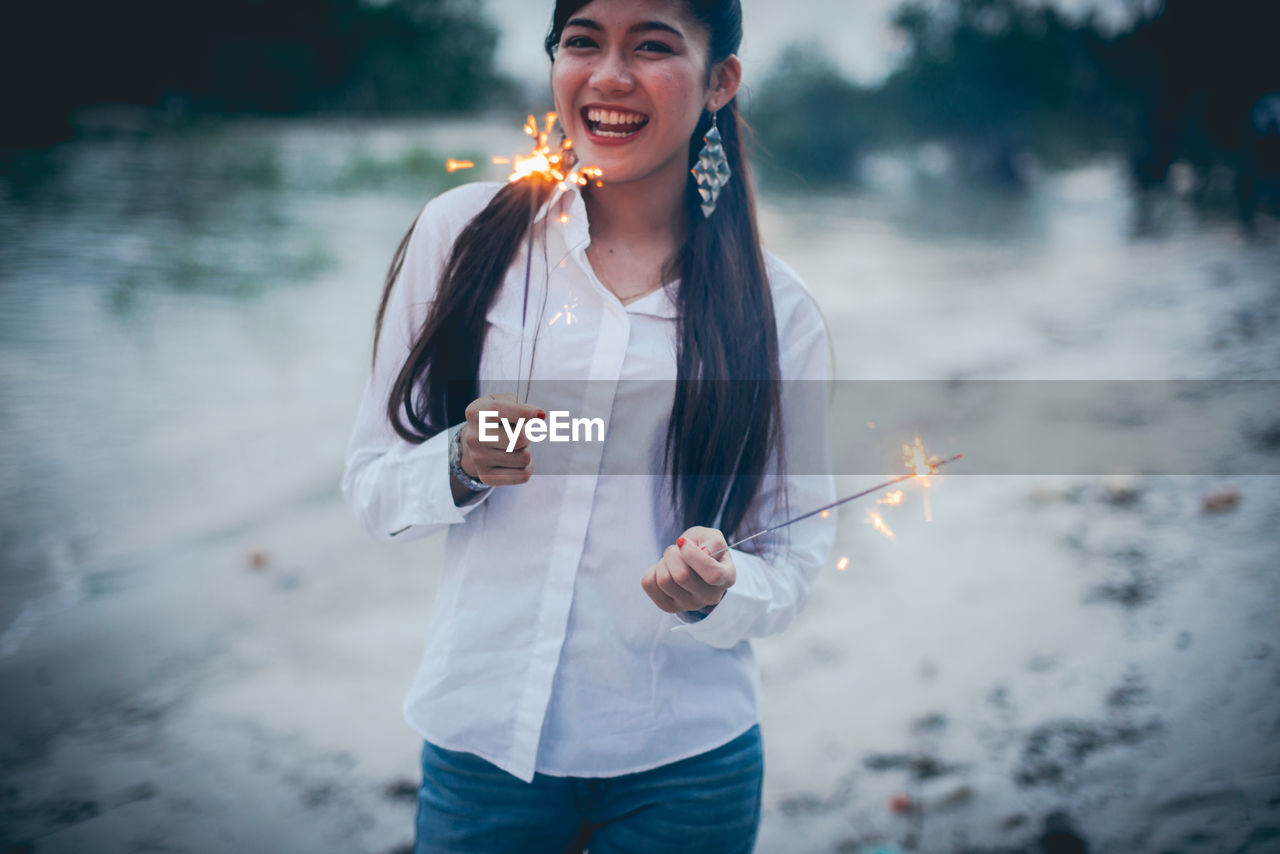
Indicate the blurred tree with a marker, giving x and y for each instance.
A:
(1198, 78)
(809, 120)
(232, 56)
(1002, 83)
(993, 80)
(996, 79)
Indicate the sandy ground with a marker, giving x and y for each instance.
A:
(1099, 648)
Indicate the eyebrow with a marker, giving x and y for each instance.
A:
(642, 27)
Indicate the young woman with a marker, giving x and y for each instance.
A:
(588, 677)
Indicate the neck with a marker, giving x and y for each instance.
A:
(649, 212)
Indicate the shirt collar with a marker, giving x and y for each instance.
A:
(567, 209)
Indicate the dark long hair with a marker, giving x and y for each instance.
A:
(726, 413)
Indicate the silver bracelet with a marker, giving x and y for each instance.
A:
(455, 465)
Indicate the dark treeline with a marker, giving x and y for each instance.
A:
(1005, 85)
(240, 56)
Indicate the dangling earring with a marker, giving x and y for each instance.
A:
(712, 169)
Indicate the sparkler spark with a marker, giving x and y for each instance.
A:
(567, 313)
(917, 462)
(842, 564)
(555, 165)
(923, 467)
(877, 521)
(894, 497)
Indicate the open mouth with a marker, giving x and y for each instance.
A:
(613, 124)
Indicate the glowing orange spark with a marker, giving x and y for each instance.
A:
(894, 497)
(877, 521)
(564, 217)
(566, 313)
(917, 462)
(922, 467)
(547, 163)
(842, 564)
(454, 165)
(825, 514)
(554, 166)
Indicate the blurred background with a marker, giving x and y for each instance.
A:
(199, 651)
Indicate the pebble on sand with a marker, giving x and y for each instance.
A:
(1221, 500)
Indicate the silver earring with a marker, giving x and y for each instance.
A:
(712, 169)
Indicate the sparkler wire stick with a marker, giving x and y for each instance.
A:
(932, 467)
(524, 311)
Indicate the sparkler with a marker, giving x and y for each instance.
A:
(557, 167)
(929, 466)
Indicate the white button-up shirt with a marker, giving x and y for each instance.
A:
(543, 652)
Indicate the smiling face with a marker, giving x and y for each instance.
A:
(630, 83)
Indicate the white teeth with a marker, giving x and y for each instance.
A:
(613, 117)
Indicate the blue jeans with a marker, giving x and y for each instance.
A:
(706, 804)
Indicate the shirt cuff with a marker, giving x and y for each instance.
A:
(431, 500)
(730, 620)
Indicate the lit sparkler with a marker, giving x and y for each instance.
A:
(931, 466)
(556, 166)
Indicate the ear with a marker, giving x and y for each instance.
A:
(725, 79)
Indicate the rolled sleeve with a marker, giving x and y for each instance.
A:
(404, 492)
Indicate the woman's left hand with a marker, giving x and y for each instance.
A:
(688, 578)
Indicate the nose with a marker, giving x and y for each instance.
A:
(611, 73)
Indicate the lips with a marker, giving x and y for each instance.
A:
(611, 123)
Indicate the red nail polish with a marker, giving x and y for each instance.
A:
(542, 415)
(680, 543)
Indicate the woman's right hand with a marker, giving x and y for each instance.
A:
(491, 462)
